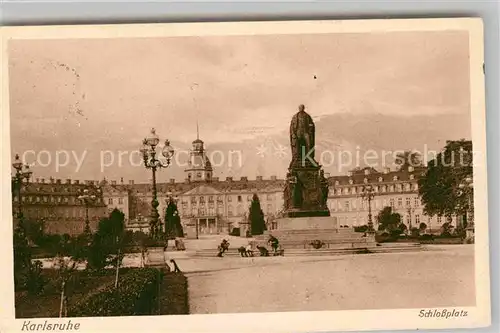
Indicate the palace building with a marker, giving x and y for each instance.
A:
(397, 189)
(206, 204)
(209, 205)
(57, 205)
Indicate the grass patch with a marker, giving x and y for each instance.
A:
(174, 294)
(46, 305)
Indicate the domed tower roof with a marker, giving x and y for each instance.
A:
(199, 165)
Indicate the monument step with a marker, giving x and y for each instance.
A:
(320, 252)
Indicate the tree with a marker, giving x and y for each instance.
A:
(388, 221)
(173, 227)
(422, 227)
(441, 187)
(22, 256)
(107, 241)
(256, 217)
(408, 158)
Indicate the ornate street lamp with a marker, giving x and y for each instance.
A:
(368, 193)
(20, 179)
(152, 162)
(410, 212)
(89, 196)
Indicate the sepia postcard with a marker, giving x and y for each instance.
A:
(287, 176)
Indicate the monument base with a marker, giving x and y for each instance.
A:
(305, 213)
(306, 223)
(316, 232)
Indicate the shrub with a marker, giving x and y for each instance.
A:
(415, 232)
(426, 237)
(235, 232)
(137, 294)
(362, 228)
(35, 281)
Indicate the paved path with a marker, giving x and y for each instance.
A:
(440, 276)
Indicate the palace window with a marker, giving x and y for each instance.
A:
(230, 210)
(202, 200)
(408, 187)
(399, 187)
(417, 219)
(391, 203)
(384, 188)
(193, 200)
(249, 197)
(211, 198)
(417, 202)
(347, 205)
(439, 219)
(395, 178)
(202, 211)
(219, 198)
(120, 201)
(337, 183)
(408, 202)
(239, 198)
(110, 201)
(391, 189)
(400, 202)
(66, 200)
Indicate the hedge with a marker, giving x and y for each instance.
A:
(137, 294)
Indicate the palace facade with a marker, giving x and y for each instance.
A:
(397, 189)
(56, 204)
(209, 205)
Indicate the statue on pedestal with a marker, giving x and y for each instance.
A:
(306, 188)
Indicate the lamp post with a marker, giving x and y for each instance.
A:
(89, 196)
(368, 193)
(21, 178)
(152, 162)
(410, 211)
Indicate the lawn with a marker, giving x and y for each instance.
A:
(47, 303)
(173, 293)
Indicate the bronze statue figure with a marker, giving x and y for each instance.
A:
(302, 132)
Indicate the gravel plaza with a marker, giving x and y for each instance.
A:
(437, 276)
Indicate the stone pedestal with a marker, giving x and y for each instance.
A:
(155, 257)
(303, 223)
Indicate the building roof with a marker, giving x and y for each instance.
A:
(374, 176)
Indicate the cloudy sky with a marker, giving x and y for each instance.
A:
(365, 91)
